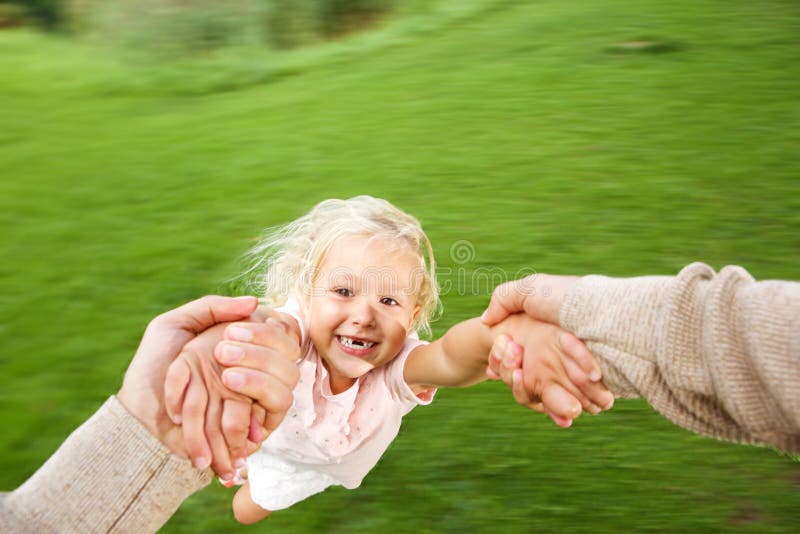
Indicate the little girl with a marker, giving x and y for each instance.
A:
(355, 280)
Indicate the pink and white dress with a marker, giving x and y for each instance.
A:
(329, 439)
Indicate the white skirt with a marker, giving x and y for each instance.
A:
(277, 483)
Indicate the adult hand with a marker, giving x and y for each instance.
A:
(553, 373)
(142, 391)
(221, 425)
(538, 295)
(524, 370)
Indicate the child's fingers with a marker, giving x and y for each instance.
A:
(577, 350)
(257, 432)
(178, 375)
(496, 357)
(512, 358)
(252, 446)
(257, 415)
(235, 428)
(521, 396)
(511, 362)
(194, 412)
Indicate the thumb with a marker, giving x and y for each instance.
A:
(198, 315)
(506, 299)
(560, 403)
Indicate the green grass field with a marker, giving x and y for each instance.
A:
(526, 128)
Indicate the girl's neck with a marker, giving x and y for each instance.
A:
(338, 383)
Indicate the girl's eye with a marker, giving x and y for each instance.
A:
(343, 291)
(389, 301)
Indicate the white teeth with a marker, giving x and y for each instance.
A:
(355, 343)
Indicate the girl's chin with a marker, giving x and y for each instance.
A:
(349, 366)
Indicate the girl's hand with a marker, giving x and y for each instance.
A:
(221, 425)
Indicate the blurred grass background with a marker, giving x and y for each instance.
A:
(622, 137)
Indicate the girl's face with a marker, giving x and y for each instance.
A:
(362, 304)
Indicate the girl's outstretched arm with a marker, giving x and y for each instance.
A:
(460, 357)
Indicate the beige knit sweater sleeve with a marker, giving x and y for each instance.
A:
(718, 354)
(110, 475)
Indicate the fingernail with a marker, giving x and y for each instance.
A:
(502, 343)
(508, 359)
(595, 375)
(239, 463)
(610, 403)
(201, 462)
(240, 334)
(177, 419)
(233, 379)
(227, 477)
(231, 353)
(244, 298)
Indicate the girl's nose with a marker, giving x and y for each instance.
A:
(362, 313)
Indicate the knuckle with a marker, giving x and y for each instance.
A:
(193, 408)
(283, 400)
(207, 300)
(232, 427)
(194, 447)
(294, 374)
(157, 322)
(214, 433)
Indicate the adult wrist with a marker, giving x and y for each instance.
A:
(548, 294)
(153, 417)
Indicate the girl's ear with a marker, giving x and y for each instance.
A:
(414, 315)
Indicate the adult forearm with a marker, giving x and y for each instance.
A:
(110, 475)
(717, 354)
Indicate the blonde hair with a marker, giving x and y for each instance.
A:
(287, 258)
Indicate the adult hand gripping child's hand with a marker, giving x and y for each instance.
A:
(553, 372)
(222, 427)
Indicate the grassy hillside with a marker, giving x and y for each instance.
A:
(543, 133)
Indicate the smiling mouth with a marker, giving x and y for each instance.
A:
(358, 344)
(355, 347)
